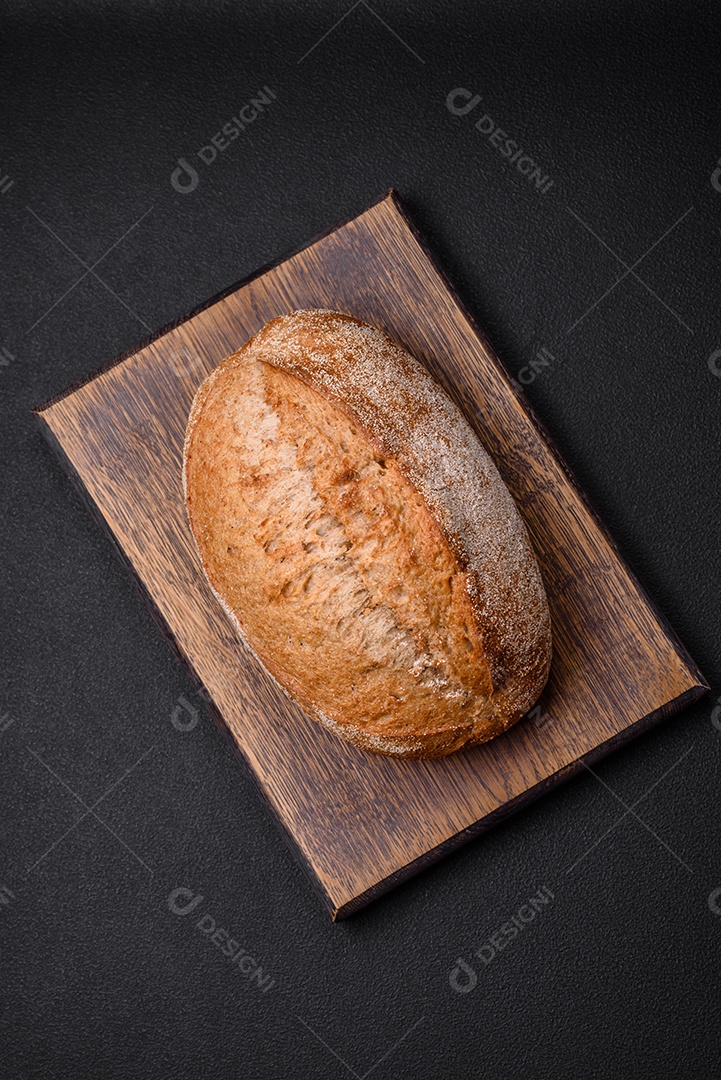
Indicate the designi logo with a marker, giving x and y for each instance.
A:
(185, 178)
(716, 177)
(714, 363)
(182, 901)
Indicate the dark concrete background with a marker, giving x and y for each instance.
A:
(618, 103)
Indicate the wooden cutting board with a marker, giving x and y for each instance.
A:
(360, 823)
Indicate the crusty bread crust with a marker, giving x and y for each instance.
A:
(363, 542)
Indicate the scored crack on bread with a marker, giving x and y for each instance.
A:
(363, 541)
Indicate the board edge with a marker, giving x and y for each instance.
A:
(185, 661)
(525, 404)
(132, 350)
(520, 802)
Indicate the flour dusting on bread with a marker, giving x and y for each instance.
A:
(363, 540)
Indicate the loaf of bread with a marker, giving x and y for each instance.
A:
(363, 542)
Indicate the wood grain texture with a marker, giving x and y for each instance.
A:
(361, 823)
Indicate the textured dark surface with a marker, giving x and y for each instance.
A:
(362, 824)
(618, 974)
